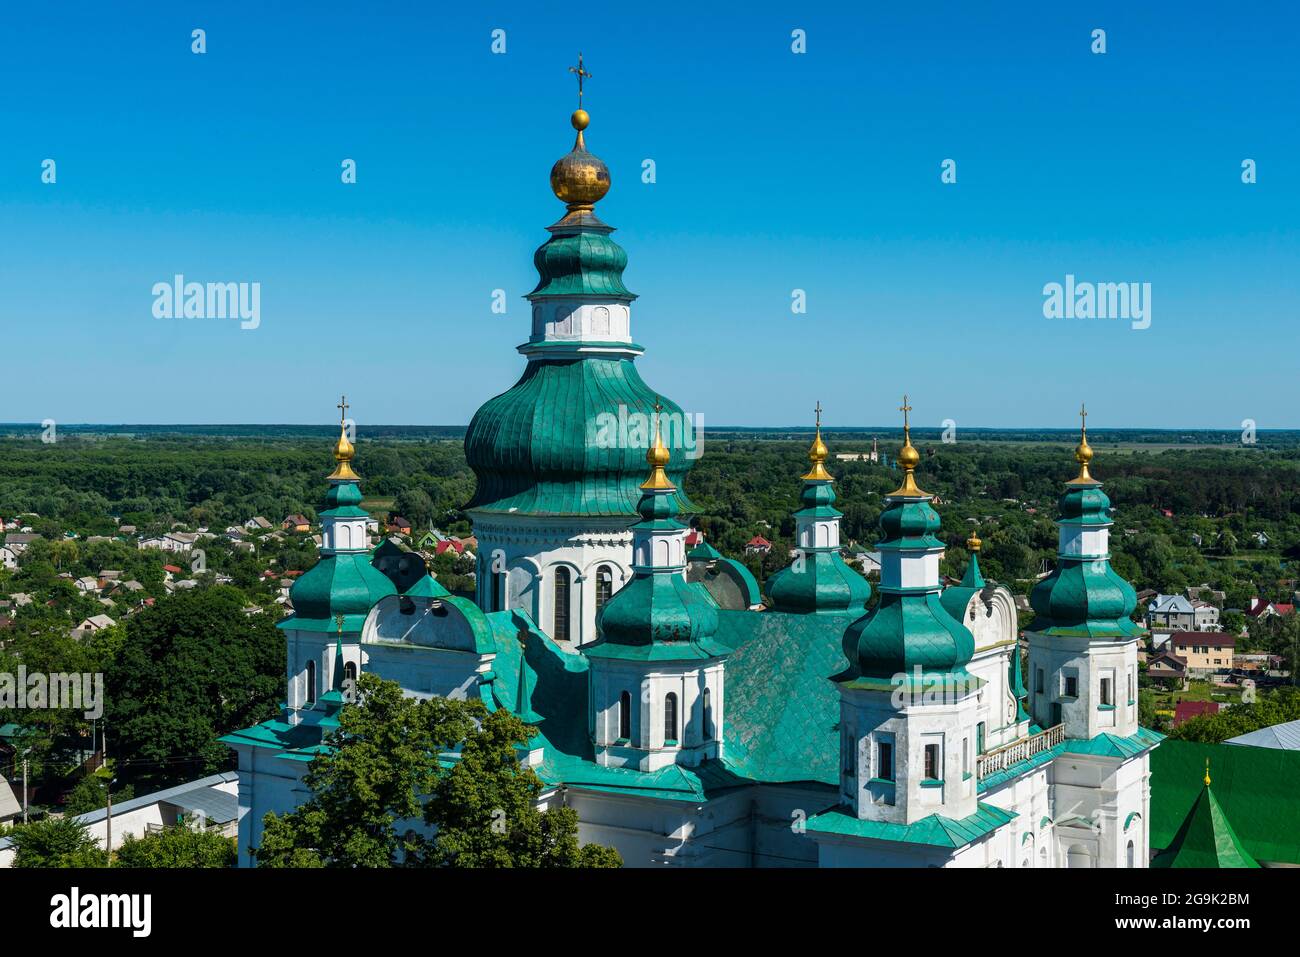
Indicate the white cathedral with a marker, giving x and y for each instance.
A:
(689, 718)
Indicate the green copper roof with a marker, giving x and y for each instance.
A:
(582, 263)
(703, 552)
(658, 615)
(956, 598)
(1084, 597)
(345, 583)
(935, 830)
(1206, 839)
(570, 438)
(821, 582)
(1255, 789)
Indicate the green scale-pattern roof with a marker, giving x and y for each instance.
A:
(553, 445)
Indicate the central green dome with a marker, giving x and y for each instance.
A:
(570, 438)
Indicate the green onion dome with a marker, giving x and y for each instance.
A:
(818, 580)
(1084, 596)
(570, 439)
(342, 584)
(910, 630)
(585, 262)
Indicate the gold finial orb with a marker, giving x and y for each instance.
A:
(1083, 452)
(657, 457)
(818, 454)
(343, 448)
(909, 458)
(973, 543)
(580, 119)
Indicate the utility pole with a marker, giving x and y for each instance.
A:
(24, 787)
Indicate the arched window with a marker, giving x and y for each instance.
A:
(350, 672)
(708, 714)
(604, 586)
(560, 626)
(311, 682)
(496, 589)
(1130, 853)
(625, 716)
(670, 718)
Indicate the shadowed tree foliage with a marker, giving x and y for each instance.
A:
(176, 847)
(389, 769)
(56, 842)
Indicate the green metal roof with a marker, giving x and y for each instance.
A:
(935, 830)
(1206, 839)
(588, 460)
(1255, 788)
(581, 263)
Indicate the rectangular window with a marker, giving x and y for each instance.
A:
(1130, 687)
(965, 758)
(1105, 691)
(932, 762)
(885, 761)
(1071, 686)
(1038, 681)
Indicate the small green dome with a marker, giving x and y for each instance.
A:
(566, 440)
(586, 263)
(823, 582)
(342, 584)
(905, 632)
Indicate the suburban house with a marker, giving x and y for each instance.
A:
(1169, 669)
(257, 523)
(296, 523)
(399, 525)
(1260, 608)
(18, 542)
(1204, 651)
(1176, 613)
(758, 545)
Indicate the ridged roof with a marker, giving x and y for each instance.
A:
(585, 263)
(538, 448)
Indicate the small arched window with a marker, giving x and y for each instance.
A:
(604, 586)
(350, 672)
(560, 626)
(670, 718)
(708, 714)
(1130, 854)
(311, 682)
(496, 590)
(625, 716)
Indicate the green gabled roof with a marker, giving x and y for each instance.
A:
(935, 830)
(1113, 745)
(426, 586)
(703, 552)
(1255, 788)
(529, 459)
(1206, 839)
(956, 598)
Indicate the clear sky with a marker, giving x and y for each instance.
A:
(775, 171)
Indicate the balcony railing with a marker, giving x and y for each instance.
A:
(1004, 757)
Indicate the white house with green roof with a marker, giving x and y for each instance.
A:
(689, 719)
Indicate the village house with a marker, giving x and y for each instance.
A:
(1204, 651)
(758, 545)
(296, 523)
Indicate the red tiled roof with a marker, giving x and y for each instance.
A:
(1214, 639)
(759, 540)
(174, 569)
(455, 544)
(1283, 609)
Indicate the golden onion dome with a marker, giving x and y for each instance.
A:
(344, 450)
(657, 457)
(973, 543)
(579, 178)
(817, 455)
(909, 458)
(1083, 451)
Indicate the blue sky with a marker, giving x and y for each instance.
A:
(775, 171)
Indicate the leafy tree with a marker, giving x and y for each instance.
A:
(56, 842)
(382, 775)
(91, 794)
(194, 667)
(177, 847)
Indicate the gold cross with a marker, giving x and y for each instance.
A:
(1083, 414)
(659, 406)
(343, 408)
(338, 620)
(905, 408)
(581, 73)
(818, 410)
